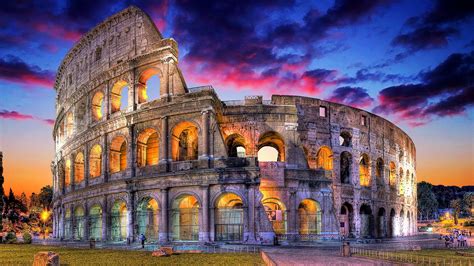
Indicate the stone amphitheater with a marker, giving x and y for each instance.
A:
(185, 166)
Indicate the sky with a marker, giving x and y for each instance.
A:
(411, 62)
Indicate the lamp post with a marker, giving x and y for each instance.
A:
(44, 218)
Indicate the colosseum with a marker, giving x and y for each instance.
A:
(184, 166)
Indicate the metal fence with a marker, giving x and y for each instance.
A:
(411, 257)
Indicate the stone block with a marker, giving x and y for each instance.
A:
(46, 258)
(159, 253)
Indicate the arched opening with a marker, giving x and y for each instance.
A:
(401, 223)
(147, 148)
(345, 139)
(229, 218)
(324, 158)
(95, 222)
(69, 125)
(379, 171)
(79, 223)
(381, 223)
(345, 167)
(118, 154)
(119, 96)
(391, 224)
(346, 217)
(393, 175)
(67, 224)
(408, 223)
(98, 106)
(235, 144)
(271, 147)
(276, 213)
(149, 85)
(366, 221)
(184, 142)
(401, 182)
(364, 174)
(147, 218)
(119, 220)
(407, 184)
(185, 218)
(67, 173)
(400, 156)
(95, 161)
(309, 217)
(79, 168)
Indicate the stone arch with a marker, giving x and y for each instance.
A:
(345, 167)
(236, 145)
(277, 214)
(366, 221)
(67, 223)
(184, 141)
(95, 161)
(401, 222)
(391, 223)
(309, 217)
(381, 223)
(324, 158)
(379, 171)
(142, 88)
(229, 217)
(69, 124)
(95, 221)
(119, 90)
(118, 154)
(98, 106)
(147, 218)
(275, 142)
(185, 217)
(79, 222)
(346, 215)
(345, 139)
(392, 174)
(67, 173)
(119, 220)
(364, 172)
(79, 168)
(148, 147)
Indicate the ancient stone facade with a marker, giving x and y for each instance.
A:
(190, 167)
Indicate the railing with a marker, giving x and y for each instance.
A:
(410, 257)
(300, 237)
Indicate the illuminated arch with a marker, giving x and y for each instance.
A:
(324, 158)
(95, 221)
(364, 173)
(275, 144)
(235, 144)
(79, 168)
(185, 218)
(144, 94)
(147, 147)
(67, 223)
(276, 213)
(95, 161)
(147, 218)
(118, 154)
(119, 91)
(309, 214)
(119, 221)
(184, 142)
(393, 175)
(379, 171)
(79, 223)
(67, 173)
(229, 217)
(98, 106)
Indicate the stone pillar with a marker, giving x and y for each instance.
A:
(107, 102)
(164, 144)
(357, 220)
(165, 90)
(105, 158)
(86, 222)
(131, 216)
(204, 224)
(132, 151)
(72, 173)
(105, 218)
(163, 223)
(62, 221)
(249, 236)
(86, 164)
(204, 156)
(293, 219)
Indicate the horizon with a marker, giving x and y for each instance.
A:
(415, 72)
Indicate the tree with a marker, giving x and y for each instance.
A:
(468, 203)
(46, 197)
(427, 203)
(24, 199)
(456, 205)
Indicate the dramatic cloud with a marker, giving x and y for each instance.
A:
(365, 74)
(444, 91)
(353, 96)
(433, 29)
(14, 115)
(13, 69)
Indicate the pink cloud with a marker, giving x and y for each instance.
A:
(14, 115)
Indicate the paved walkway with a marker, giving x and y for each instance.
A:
(313, 256)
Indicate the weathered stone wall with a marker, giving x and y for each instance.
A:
(292, 125)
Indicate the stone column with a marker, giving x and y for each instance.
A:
(105, 216)
(86, 164)
(107, 102)
(131, 216)
(204, 156)
(163, 223)
(86, 222)
(105, 158)
(165, 90)
(204, 225)
(132, 151)
(293, 219)
(62, 221)
(163, 152)
(250, 234)
(72, 173)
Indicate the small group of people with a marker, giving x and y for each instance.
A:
(456, 236)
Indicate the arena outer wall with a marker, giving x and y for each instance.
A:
(185, 167)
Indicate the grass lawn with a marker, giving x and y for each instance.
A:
(17, 254)
(425, 256)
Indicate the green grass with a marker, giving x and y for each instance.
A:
(425, 256)
(17, 254)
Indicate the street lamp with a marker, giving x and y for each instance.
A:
(44, 217)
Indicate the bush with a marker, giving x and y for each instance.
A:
(27, 238)
(10, 238)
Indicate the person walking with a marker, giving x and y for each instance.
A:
(142, 240)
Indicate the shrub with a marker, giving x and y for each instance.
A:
(10, 238)
(27, 238)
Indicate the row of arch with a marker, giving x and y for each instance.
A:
(379, 224)
(184, 219)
